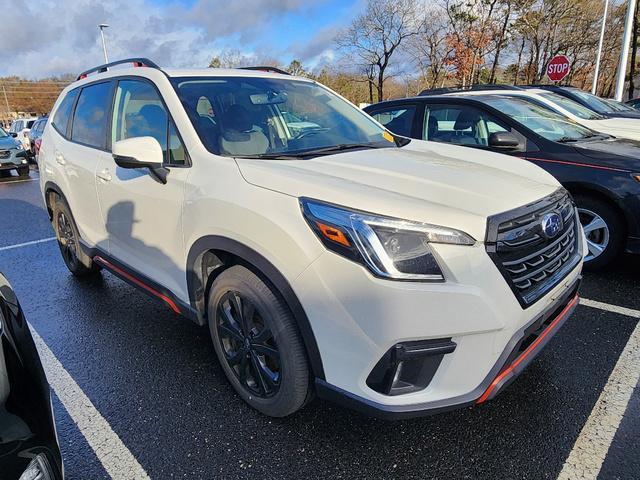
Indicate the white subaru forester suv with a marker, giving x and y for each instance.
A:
(394, 276)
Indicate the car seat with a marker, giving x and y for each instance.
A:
(239, 135)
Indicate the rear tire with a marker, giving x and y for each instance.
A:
(78, 263)
(605, 231)
(257, 343)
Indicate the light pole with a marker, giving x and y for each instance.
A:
(624, 54)
(594, 88)
(102, 26)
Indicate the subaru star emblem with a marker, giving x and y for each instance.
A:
(551, 224)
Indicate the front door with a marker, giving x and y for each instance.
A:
(143, 217)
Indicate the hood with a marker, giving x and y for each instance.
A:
(618, 127)
(621, 153)
(8, 142)
(447, 185)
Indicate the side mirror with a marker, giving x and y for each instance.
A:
(503, 140)
(141, 152)
(13, 134)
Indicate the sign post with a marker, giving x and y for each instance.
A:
(558, 68)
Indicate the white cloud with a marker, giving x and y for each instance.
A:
(54, 37)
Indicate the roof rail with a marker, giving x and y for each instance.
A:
(441, 91)
(137, 62)
(267, 69)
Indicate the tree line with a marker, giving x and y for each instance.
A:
(396, 48)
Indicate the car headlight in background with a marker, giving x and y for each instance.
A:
(38, 469)
(19, 146)
(389, 247)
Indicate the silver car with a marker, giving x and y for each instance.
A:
(12, 156)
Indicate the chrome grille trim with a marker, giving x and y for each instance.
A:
(531, 263)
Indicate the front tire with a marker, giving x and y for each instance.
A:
(78, 263)
(23, 171)
(604, 229)
(257, 343)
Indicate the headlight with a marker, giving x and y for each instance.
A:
(19, 146)
(389, 247)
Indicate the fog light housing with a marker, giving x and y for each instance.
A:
(38, 469)
(409, 366)
(24, 161)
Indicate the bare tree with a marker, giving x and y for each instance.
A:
(374, 36)
(429, 48)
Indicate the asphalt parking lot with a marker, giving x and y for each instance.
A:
(163, 401)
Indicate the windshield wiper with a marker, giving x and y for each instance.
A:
(568, 139)
(296, 155)
(270, 156)
(334, 148)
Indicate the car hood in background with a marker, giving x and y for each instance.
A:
(7, 143)
(619, 153)
(619, 127)
(429, 182)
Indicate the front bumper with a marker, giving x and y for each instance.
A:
(512, 362)
(356, 318)
(13, 163)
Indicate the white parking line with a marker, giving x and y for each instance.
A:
(26, 244)
(593, 443)
(116, 459)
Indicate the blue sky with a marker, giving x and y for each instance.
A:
(181, 33)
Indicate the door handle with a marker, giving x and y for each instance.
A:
(104, 175)
(60, 158)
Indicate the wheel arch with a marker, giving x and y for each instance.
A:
(211, 255)
(606, 196)
(50, 190)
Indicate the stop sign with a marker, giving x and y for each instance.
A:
(558, 68)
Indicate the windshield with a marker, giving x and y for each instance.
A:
(616, 106)
(267, 117)
(571, 106)
(598, 104)
(541, 120)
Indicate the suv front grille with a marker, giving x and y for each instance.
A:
(532, 261)
(4, 154)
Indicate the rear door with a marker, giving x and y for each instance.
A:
(79, 158)
(143, 217)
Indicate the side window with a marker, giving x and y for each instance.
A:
(460, 124)
(61, 118)
(397, 119)
(90, 118)
(177, 152)
(139, 112)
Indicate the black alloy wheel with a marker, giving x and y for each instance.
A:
(257, 342)
(248, 345)
(68, 238)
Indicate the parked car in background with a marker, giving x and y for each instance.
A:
(619, 127)
(604, 106)
(12, 156)
(308, 255)
(28, 442)
(20, 130)
(35, 135)
(601, 172)
(633, 103)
